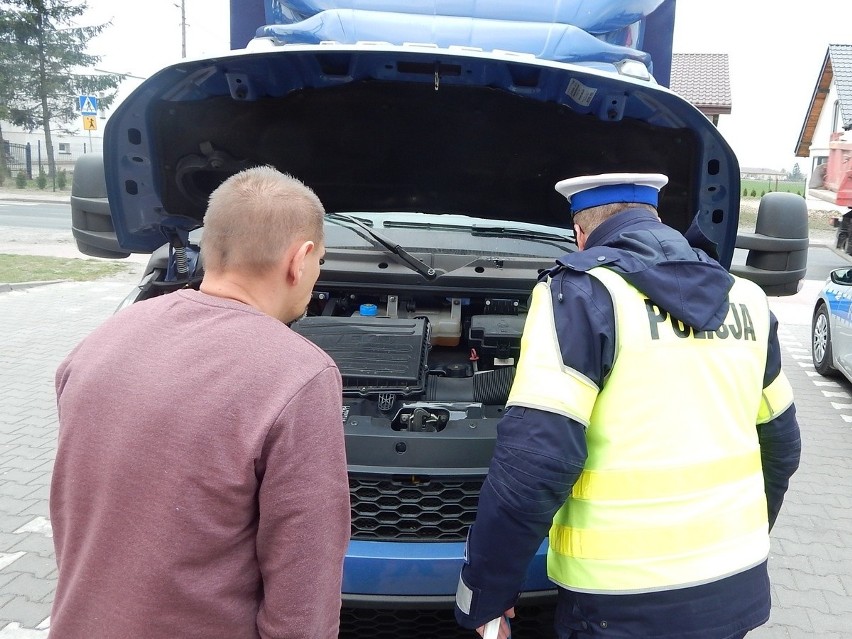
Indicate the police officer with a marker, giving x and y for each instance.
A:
(650, 432)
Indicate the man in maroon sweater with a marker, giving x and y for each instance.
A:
(200, 484)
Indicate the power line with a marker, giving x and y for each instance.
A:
(126, 75)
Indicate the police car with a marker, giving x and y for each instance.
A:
(831, 328)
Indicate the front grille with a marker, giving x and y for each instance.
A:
(413, 507)
(531, 622)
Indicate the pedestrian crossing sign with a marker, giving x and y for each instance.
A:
(88, 105)
(90, 123)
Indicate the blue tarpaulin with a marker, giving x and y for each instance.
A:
(549, 41)
(561, 30)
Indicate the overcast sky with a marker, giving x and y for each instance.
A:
(775, 49)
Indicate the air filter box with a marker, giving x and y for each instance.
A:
(375, 355)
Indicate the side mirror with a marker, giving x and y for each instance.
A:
(778, 249)
(842, 276)
(91, 223)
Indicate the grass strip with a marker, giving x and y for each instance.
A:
(37, 268)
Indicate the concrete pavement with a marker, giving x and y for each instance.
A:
(811, 552)
(39, 327)
(811, 562)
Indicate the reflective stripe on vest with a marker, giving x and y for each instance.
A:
(672, 491)
(542, 380)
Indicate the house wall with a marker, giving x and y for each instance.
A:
(762, 174)
(822, 134)
(67, 148)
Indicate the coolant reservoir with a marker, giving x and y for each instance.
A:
(446, 324)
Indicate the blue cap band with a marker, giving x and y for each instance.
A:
(610, 194)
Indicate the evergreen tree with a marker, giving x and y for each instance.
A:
(48, 65)
(9, 70)
(796, 174)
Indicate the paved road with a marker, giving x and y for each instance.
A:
(811, 562)
(37, 215)
(811, 556)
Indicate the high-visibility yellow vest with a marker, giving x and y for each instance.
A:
(672, 491)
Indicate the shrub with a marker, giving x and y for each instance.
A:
(753, 193)
(21, 180)
(762, 193)
(745, 192)
(41, 180)
(62, 179)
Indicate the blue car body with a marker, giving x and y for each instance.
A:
(831, 343)
(375, 569)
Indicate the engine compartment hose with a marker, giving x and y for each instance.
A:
(487, 387)
(492, 387)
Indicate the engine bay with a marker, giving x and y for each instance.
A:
(418, 361)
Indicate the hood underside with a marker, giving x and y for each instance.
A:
(399, 129)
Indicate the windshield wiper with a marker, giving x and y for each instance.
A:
(522, 234)
(429, 226)
(486, 231)
(420, 267)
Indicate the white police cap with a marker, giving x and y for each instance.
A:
(586, 191)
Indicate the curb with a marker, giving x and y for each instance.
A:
(44, 199)
(838, 252)
(20, 286)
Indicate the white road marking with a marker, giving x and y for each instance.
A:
(7, 558)
(14, 630)
(40, 525)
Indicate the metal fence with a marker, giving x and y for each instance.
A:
(31, 158)
(18, 158)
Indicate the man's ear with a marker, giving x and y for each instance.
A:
(296, 260)
(579, 236)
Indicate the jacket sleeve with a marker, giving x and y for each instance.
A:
(539, 454)
(304, 518)
(538, 458)
(777, 428)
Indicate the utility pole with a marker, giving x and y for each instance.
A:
(182, 28)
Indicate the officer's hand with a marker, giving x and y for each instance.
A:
(505, 628)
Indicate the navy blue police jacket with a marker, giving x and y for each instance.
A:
(539, 455)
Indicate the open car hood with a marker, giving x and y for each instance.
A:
(396, 127)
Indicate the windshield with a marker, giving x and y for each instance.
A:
(454, 234)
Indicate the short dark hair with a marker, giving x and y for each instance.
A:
(589, 219)
(254, 216)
